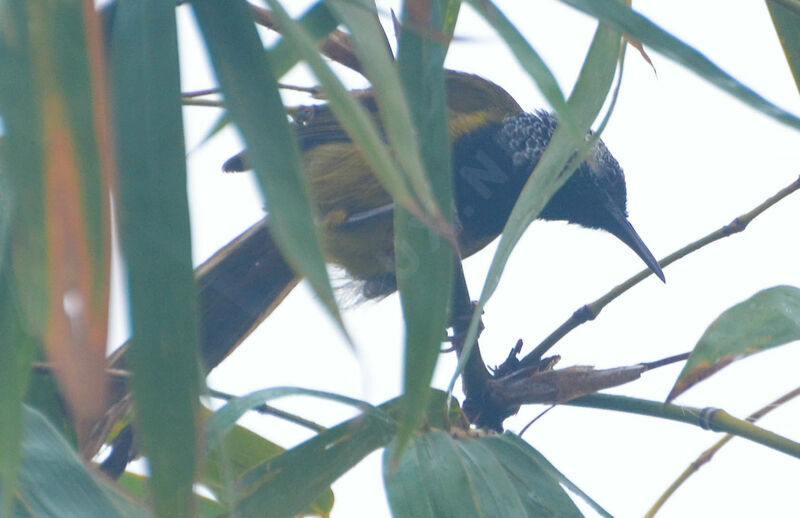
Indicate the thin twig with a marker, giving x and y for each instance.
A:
(190, 101)
(707, 455)
(201, 93)
(666, 361)
(590, 311)
(543, 412)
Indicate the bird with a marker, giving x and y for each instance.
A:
(495, 146)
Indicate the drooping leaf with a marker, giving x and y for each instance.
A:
(58, 178)
(16, 355)
(352, 115)
(425, 261)
(625, 19)
(557, 162)
(767, 319)
(156, 243)
(361, 18)
(225, 418)
(251, 94)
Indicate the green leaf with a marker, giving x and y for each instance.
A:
(518, 457)
(244, 73)
(424, 259)
(242, 450)
(442, 475)
(16, 355)
(56, 207)
(318, 22)
(767, 319)
(353, 116)
(225, 418)
(23, 155)
(288, 483)
(558, 161)
(21, 168)
(137, 486)
(54, 482)
(626, 20)
(787, 22)
(299, 477)
(361, 18)
(251, 96)
(155, 234)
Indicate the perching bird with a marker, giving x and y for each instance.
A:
(495, 147)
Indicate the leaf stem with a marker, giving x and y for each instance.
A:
(708, 418)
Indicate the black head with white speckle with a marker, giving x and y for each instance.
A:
(497, 161)
(594, 189)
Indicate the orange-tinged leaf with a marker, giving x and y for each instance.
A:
(767, 319)
(75, 335)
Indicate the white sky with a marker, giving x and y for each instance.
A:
(694, 158)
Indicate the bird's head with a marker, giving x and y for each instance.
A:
(594, 196)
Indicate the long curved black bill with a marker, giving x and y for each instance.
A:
(628, 235)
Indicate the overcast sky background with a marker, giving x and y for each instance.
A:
(694, 159)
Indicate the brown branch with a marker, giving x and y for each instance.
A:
(338, 46)
(590, 311)
(536, 385)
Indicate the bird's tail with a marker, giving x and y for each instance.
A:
(238, 287)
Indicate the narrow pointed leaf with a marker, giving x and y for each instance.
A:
(288, 483)
(251, 93)
(21, 232)
(352, 115)
(318, 22)
(17, 352)
(361, 18)
(62, 248)
(225, 418)
(767, 319)
(558, 160)
(626, 20)
(156, 243)
(424, 259)
(242, 450)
